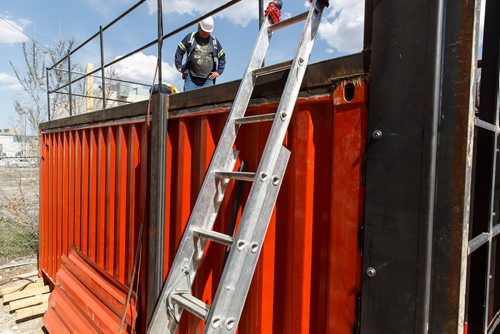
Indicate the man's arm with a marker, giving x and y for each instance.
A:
(221, 56)
(179, 53)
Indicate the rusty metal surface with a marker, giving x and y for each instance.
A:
(94, 186)
(86, 300)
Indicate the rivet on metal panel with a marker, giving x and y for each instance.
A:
(371, 272)
(230, 323)
(377, 134)
(254, 247)
(216, 322)
(276, 180)
(263, 176)
(241, 245)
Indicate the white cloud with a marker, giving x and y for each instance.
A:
(141, 68)
(242, 13)
(8, 82)
(10, 30)
(342, 26)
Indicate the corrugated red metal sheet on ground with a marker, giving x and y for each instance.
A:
(94, 183)
(87, 300)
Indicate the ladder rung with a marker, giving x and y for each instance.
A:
(255, 119)
(272, 69)
(192, 304)
(241, 176)
(288, 22)
(214, 236)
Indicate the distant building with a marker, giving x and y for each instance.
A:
(13, 144)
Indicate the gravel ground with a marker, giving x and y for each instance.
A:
(8, 322)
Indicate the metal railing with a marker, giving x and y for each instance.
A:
(100, 34)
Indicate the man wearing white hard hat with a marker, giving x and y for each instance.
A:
(205, 59)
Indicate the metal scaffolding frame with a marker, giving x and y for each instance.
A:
(100, 34)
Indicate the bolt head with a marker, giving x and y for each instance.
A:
(377, 134)
(371, 272)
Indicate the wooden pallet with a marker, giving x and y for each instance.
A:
(27, 301)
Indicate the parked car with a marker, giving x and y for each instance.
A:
(19, 163)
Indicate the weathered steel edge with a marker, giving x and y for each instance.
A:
(319, 74)
(111, 114)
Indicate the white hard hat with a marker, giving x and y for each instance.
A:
(207, 25)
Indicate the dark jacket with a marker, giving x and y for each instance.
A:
(188, 44)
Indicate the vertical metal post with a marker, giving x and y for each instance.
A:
(159, 109)
(103, 80)
(261, 13)
(69, 86)
(454, 168)
(160, 42)
(48, 93)
(261, 21)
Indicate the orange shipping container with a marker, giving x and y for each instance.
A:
(96, 173)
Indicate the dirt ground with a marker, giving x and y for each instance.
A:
(19, 193)
(8, 322)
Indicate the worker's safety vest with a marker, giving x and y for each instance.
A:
(216, 53)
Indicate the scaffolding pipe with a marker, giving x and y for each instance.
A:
(69, 87)
(48, 93)
(103, 80)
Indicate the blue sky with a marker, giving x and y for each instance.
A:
(48, 21)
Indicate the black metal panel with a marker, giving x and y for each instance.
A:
(414, 79)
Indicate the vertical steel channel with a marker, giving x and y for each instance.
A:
(103, 79)
(69, 86)
(406, 67)
(454, 168)
(157, 191)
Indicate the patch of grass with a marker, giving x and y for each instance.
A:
(17, 239)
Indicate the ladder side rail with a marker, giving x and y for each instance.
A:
(225, 313)
(204, 206)
(236, 269)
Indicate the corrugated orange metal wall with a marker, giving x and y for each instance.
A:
(93, 196)
(308, 277)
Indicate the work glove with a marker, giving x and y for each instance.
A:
(273, 11)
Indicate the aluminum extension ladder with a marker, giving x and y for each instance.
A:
(246, 245)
